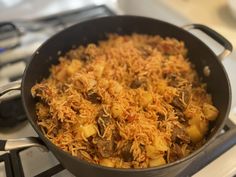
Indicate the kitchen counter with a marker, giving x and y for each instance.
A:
(215, 14)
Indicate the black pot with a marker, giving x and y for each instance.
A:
(207, 64)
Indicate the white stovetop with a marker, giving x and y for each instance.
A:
(178, 12)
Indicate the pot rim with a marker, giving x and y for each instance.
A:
(190, 156)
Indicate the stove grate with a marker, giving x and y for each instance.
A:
(51, 171)
(5, 158)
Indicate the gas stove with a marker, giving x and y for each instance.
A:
(34, 162)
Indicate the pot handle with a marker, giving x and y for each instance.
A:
(8, 30)
(8, 91)
(21, 143)
(214, 35)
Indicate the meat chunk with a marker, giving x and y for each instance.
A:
(85, 57)
(126, 153)
(135, 84)
(93, 97)
(160, 116)
(179, 135)
(181, 101)
(174, 80)
(175, 153)
(103, 120)
(104, 147)
(180, 115)
(116, 135)
(42, 92)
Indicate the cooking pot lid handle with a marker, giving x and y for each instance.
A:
(214, 35)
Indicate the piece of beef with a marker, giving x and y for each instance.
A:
(179, 135)
(181, 101)
(105, 147)
(94, 97)
(175, 153)
(135, 84)
(180, 115)
(103, 120)
(85, 57)
(126, 153)
(160, 116)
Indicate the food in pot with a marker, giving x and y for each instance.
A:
(132, 101)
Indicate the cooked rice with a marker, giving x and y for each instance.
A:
(127, 102)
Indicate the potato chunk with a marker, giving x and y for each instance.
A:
(146, 98)
(210, 111)
(73, 67)
(107, 163)
(157, 162)
(200, 123)
(99, 68)
(203, 126)
(117, 110)
(159, 145)
(195, 134)
(151, 151)
(88, 130)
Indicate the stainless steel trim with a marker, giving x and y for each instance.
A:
(21, 143)
(188, 27)
(224, 54)
(8, 91)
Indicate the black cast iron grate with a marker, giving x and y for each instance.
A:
(222, 143)
(5, 158)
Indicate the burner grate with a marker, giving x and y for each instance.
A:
(51, 171)
(5, 158)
